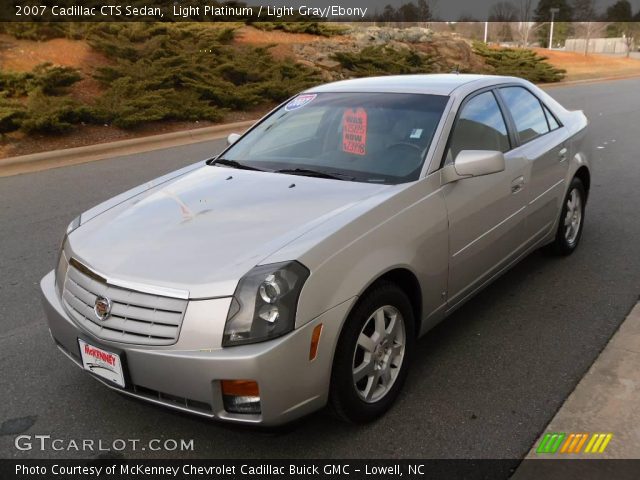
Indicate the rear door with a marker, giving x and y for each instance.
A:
(486, 214)
(542, 141)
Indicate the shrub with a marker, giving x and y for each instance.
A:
(38, 31)
(11, 115)
(46, 114)
(14, 84)
(159, 71)
(186, 72)
(384, 60)
(52, 80)
(129, 103)
(313, 28)
(519, 63)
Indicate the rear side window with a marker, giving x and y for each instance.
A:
(553, 123)
(480, 126)
(526, 111)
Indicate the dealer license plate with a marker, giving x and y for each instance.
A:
(104, 364)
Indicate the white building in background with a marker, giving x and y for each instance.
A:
(619, 45)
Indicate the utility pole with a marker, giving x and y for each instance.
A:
(486, 31)
(553, 14)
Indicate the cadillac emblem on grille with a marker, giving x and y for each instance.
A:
(102, 308)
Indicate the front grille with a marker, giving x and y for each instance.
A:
(136, 317)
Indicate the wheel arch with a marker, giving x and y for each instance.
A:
(585, 177)
(408, 282)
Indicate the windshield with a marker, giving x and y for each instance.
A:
(365, 137)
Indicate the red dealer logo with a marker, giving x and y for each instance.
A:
(100, 355)
(354, 131)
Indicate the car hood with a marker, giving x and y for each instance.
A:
(204, 230)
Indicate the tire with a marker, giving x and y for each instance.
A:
(386, 358)
(568, 235)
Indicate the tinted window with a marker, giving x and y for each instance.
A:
(480, 126)
(526, 111)
(369, 137)
(553, 123)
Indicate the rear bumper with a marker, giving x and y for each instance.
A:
(186, 378)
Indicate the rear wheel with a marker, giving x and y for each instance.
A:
(372, 356)
(571, 220)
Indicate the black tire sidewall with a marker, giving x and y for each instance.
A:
(343, 396)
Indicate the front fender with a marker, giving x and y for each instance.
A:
(408, 230)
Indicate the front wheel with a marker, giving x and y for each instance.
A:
(571, 220)
(373, 354)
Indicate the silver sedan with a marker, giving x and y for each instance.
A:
(297, 268)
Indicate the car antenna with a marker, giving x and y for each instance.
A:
(456, 70)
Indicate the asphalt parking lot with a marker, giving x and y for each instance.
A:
(484, 384)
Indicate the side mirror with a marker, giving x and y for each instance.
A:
(233, 138)
(473, 163)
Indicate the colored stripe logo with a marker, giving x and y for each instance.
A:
(574, 443)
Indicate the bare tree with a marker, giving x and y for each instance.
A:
(584, 12)
(620, 18)
(433, 12)
(502, 16)
(587, 31)
(503, 11)
(525, 25)
(629, 39)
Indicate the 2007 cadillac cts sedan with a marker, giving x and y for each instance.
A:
(298, 267)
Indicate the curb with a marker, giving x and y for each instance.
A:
(90, 153)
(603, 402)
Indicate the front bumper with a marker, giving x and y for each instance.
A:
(186, 376)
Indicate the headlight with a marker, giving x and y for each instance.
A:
(264, 303)
(61, 264)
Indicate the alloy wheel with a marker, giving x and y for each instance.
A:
(573, 218)
(379, 353)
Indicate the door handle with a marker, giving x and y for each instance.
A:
(562, 154)
(517, 184)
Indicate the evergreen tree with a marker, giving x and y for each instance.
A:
(424, 11)
(619, 14)
(561, 27)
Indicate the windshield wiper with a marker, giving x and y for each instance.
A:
(307, 172)
(234, 164)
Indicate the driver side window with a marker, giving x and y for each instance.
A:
(480, 126)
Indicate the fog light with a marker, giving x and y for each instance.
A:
(241, 396)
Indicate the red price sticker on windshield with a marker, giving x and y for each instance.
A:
(354, 131)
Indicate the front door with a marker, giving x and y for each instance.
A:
(486, 214)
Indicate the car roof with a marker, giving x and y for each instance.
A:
(434, 84)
